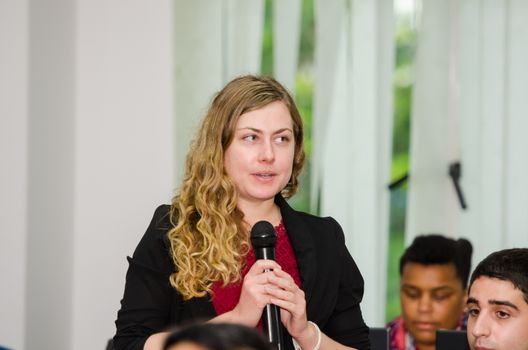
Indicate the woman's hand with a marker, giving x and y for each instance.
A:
(292, 302)
(254, 296)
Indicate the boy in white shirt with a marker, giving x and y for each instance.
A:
(498, 302)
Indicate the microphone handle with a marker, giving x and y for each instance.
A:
(272, 325)
(271, 316)
(266, 253)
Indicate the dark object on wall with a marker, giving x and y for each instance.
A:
(455, 172)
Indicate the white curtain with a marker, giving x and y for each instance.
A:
(353, 133)
(286, 39)
(473, 110)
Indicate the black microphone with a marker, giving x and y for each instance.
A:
(264, 240)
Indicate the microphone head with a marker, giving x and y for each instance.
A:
(263, 235)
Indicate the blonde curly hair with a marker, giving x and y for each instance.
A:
(209, 238)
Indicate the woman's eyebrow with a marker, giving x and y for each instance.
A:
(283, 130)
(250, 128)
(260, 131)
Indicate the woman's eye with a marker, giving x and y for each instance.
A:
(250, 137)
(282, 139)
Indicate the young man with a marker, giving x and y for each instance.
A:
(498, 302)
(434, 271)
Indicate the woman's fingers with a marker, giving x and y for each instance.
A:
(261, 266)
(278, 288)
(283, 280)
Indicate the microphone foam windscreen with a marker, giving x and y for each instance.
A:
(263, 235)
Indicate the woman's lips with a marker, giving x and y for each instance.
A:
(264, 176)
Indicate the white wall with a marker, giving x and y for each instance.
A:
(13, 168)
(86, 137)
(124, 152)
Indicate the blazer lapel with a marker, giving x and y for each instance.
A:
(303, 246)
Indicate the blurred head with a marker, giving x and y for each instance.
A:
(216, 336)
(433, 276)
(498, 302)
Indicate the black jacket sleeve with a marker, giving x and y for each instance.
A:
(148, 296)
(346, 325)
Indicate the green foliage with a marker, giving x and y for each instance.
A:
(396, 245)
(304, 88)
(402, 122)
(307, 41)
(403, 83)
(403, 80)
(266, 64)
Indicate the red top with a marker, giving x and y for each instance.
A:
(225, 299)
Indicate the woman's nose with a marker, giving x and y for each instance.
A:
(267, 153)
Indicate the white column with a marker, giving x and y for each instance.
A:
(51, 158)
(355, 148)
(14, 43)
(286, 38)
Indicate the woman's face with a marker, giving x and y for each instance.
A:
(259, 159)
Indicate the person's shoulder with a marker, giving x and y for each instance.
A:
(159, 225)
(314, 219)
(162, 217)
(322, 225)
(153, 248)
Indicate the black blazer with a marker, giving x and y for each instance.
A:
(330, 279)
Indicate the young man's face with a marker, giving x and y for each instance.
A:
(498, 316)
(432, 297)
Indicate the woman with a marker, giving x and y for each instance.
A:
(195, 261)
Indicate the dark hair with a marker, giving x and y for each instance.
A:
(219, 336)
(507, 265)
(437, 249)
